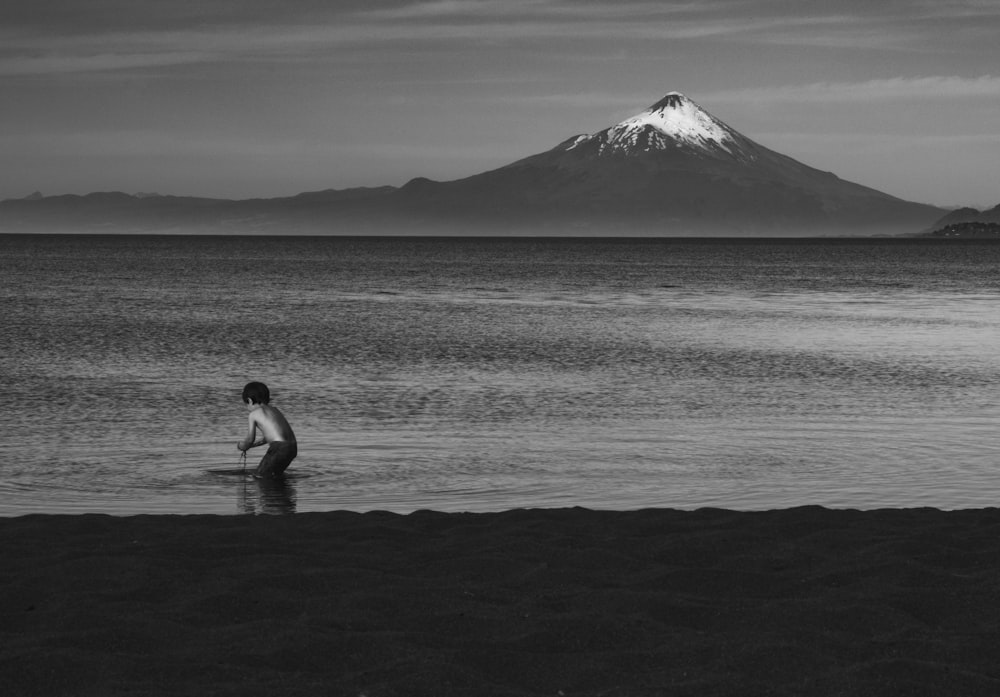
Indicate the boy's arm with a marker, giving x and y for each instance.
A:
(251, 441)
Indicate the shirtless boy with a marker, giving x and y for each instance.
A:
(267, 425)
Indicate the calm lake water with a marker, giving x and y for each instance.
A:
(463, 374)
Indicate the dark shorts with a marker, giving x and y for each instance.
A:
(279, 455)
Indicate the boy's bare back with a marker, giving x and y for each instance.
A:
(272, 424)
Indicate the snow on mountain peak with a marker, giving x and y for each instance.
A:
(674, 121)
(681, 119)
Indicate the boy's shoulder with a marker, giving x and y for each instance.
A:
(266, 411)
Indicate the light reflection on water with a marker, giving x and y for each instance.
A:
(490, 375)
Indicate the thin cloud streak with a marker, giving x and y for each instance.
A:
(67, 64)
(884, 141)
(958, 9)
(526, 10)
(929, 88)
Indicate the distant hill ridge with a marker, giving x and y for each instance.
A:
(672, 169)
(970, 215)
(967, 223)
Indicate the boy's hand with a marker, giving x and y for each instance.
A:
(239, 446)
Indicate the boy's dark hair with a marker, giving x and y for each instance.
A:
(257, 393)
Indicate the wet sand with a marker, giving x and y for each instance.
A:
(805, 601)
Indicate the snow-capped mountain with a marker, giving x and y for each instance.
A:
(671, 169)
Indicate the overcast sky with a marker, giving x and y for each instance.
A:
(246, 98)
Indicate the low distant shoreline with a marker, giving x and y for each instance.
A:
(937, 235)
(528, 602)
(972, 230)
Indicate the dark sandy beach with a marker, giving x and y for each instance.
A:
(806, 601)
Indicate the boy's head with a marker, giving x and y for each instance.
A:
(256, 393)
